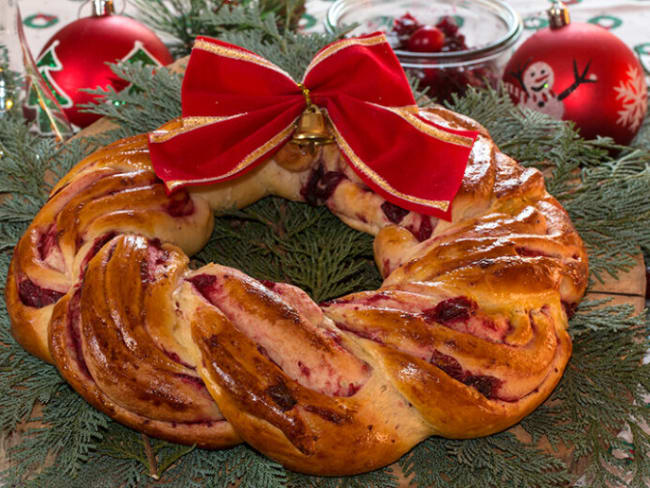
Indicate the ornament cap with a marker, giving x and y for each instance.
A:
(103, 7)
(558, 15)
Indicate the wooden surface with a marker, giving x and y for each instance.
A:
(629, 288)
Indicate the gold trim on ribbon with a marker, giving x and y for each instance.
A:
(338, 46)
(409, 116)
(188, 124)
(231, 53)
(414, 109)
(442, 205)
(249, 159)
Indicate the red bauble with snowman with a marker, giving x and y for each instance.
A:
(76, 57)
(580, 72)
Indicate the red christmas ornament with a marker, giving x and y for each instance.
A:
(580, 72)
(76, 58)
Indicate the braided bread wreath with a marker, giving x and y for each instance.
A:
(466, 335)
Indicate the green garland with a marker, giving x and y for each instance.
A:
(73, 445)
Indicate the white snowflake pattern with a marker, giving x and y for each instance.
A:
(633, 92)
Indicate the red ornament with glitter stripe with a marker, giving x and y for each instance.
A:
(583, 73)
(76, 56)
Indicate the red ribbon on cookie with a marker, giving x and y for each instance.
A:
(239, 109)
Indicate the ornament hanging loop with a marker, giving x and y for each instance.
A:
(558, 15)
(311, 127)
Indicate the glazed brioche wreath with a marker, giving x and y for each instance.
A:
(466, 335)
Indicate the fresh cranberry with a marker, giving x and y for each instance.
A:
(455, 43)
(448, 26)
(441, 83)
(427, 39)
(428, 76)
(404, 26)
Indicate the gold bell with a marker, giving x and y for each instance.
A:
(311, 128)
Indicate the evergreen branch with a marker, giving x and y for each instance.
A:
(9, 235)
(71, 430)
(294, 244)
(599, 393)
(381, 478)
(151, 459)
(155, 101)
(613, 229)
(497, 461)
(178, 18)
(291, 51)
(639, 465)
(185, 19)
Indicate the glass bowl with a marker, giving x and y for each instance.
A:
(491, 29)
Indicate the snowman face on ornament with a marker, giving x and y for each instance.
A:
(539, 77)
(538, 80)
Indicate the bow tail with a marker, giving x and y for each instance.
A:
(410, 161)
(209, 149)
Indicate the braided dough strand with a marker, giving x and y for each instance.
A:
(466, 335)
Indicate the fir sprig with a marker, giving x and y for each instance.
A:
(498, 461)
(601, 391)
(381, 478)
(295, 244)
(68, 431)
(185, 19)
(286, 48)
(133, 113)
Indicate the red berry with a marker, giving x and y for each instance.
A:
(448, 25)
(426, 39)
(405, 25)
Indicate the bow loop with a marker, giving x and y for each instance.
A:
(364, 67)
(224, 79)
(239, 108)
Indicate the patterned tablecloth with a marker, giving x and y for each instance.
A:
(629, 20)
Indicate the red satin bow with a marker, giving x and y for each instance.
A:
(239, 109)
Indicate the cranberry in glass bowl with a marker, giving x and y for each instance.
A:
(447, 45)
